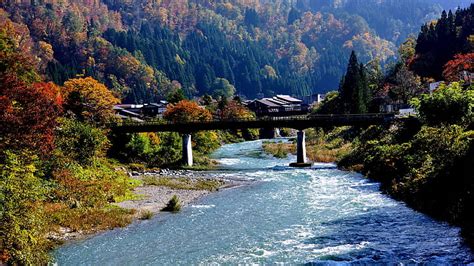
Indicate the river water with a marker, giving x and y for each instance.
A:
(296, 216)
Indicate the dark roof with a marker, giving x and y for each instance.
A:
(266, 102)
(159, 105)
(130, 113)
(277, 101)
(129, 106)
(288, 98)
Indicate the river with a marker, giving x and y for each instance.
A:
(299, 216)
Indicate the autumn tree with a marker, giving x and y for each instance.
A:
(89, 100)
(185, 111)
(204, 142)
(16, 57)
(407, 50)
(461, 62)
(235, 110)
(28, 114)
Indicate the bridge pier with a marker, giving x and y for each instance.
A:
(187, 150)
(301, 151)
(301, 147)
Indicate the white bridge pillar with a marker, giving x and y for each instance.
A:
(187, 150)
(301, 147)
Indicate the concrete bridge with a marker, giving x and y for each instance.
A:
(186, 128)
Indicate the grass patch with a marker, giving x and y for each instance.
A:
(89, 219)
(146, 215)
(325, 147)
(279, 150)
(183, 183)
(173, 205)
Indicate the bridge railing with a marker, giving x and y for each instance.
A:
(158, 122)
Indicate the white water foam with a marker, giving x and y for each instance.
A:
(203, 206)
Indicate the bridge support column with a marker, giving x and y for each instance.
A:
(187, 150)
(301, 151)
(301, 147)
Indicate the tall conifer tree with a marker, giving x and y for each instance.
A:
(354, 90)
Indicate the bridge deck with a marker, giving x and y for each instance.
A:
(296, 122)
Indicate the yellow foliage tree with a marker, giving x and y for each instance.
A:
(89, 100)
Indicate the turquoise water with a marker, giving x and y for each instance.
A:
(296, 216)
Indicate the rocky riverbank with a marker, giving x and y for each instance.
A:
(156, 189)
(159, 186)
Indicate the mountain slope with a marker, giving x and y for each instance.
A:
(147, 49)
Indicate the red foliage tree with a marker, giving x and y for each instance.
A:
(460, 63)
(28, 114)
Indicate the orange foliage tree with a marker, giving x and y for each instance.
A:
(28, 114)
(185, 111)
(235, 110)
(90, 100)
(460, 63)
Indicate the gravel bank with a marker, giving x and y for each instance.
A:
(154, 198)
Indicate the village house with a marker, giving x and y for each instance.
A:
(280, 105)
(140, 112)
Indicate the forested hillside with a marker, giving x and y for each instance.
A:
(144, 50)
(439, 42)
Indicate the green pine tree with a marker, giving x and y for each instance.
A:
(354, 90)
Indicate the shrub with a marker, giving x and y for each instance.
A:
(154, 150)
(279, 150)
(450, 104)
(22, 222)
(205, 142)
(169, 151)
(286, 132)
(173, 205)
(136, 167)
(90, 186)
(89, 219)
(146, 215)
(330, 105)
(80, 141)
(431, 170)
(139, 149)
